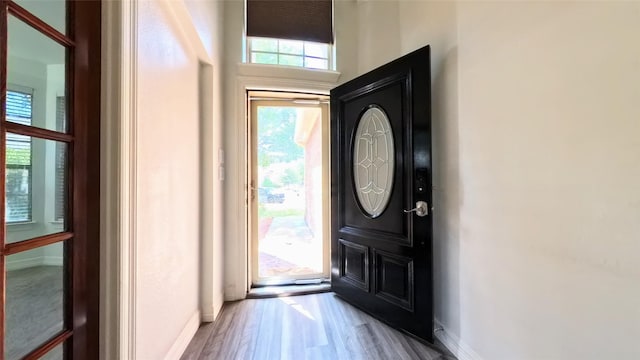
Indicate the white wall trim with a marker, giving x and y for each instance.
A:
(182, 18)
(52, 260)
(128, 179)
(24, 263)
(237, 245)
(118, 180)
(183, 340)
(287, 72)
(40, 260)
(459, 348)
(208, 171)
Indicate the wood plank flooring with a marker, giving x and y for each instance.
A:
(318, 326)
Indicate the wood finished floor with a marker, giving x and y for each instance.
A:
(318, 326)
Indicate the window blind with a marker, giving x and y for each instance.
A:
(308, 20)
(18, 159)
(60, 161)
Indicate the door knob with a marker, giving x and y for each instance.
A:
(421, 209)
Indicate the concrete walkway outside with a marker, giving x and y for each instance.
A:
(289, 248)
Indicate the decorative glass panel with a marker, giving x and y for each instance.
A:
(373, 161)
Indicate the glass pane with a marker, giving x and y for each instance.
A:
(263, 44)
(316, 50)
(36, 67)
(34, 299)
(56, 354)
(289, 195)
(35, 187)
(53, 12)
(291, 47)
(290, 60)
(373, 161)
(314, 63)
(264, 58)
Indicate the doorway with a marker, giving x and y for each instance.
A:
(289, 188)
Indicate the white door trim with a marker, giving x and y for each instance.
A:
(118, 184)
(254, 77)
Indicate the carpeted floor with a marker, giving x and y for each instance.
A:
(34, 310)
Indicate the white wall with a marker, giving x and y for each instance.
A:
(168, 182)
(550, 164)
(537, 161)
(207, 20)
(172, 229)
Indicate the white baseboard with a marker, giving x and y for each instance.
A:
(210, 313)
(53, 260)
(24, 263)
(183, 340)
(459, 348)
(34, 261)
(208, 317)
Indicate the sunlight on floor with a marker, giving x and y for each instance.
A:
(299, 308)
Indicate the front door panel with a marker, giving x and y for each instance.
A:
(381, 166)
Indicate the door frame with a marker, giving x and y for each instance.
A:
(83, 89)
(253, 77)
(274, 100)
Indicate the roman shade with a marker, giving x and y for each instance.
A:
(308, 20)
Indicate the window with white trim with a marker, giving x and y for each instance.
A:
(19, 107)
(307, 54)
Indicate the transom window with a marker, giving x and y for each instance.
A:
(306, 54)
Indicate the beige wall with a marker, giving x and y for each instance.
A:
(537, 160)
(207, 19)
(178, 191)
(168, 177)
(551, 166)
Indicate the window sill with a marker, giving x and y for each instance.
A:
(287, 72)
(22, 226)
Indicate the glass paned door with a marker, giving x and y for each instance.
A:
(289, 180)
(43, 267)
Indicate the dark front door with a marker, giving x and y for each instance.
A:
(381, 254)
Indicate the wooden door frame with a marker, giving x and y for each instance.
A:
(83, 93)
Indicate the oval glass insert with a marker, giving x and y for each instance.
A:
(373, 161)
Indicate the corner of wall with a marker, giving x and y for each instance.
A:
(183, 340)
(458, 347)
